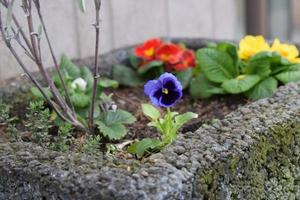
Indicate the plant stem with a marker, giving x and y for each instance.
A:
(96, 67)
(38, 61)
(62, 112)
(168, 136)
(37, 5)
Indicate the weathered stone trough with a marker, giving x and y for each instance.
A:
(252, 154)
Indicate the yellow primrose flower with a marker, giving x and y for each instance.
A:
(290, 52)
(251, 45)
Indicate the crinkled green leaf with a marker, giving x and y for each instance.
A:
(126, 76)
(216, 65)
(279, 69)
(113, 131)
(259, 64)
(87, 75)
(231, 49)
(80, 100)
(108, 83)
(120, 117)
(288, 76)
(134, 61)
(144, 146)
(263, 89)
(240, 84)
(36, 92)
(68, 67)
(150, 111)
(185, 77)
(201, 87)
(152, 65)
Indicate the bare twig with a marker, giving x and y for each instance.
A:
(17, 38)
(27, 6)
(58, 105)
(96, 65)
(37, 5)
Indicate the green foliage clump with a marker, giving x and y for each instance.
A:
(4, 113)
(8, 122)
(109, 120)
(63, 140)
(221, 71)
(167, 126)
(91, 144)
(38, 122)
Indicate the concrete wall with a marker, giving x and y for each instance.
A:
(126, 22)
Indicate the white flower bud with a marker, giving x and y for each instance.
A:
(114, 107)
(79, 82)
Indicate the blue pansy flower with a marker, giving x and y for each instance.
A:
(165, 91)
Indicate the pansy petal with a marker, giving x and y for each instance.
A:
(170, 84)
(155, 97)
(151, 87)
(166, 78)
(168, 100)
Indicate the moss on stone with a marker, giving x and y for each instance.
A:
(269, 171)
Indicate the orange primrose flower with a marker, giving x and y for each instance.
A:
(147, 49)
(187, 60)
(168, 53)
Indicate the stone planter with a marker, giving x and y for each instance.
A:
(252, 154)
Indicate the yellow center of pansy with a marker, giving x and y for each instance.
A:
(165, 91)
(240, 77)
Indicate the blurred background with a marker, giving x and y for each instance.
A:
(127, 22)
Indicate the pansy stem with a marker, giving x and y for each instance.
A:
(168, 136)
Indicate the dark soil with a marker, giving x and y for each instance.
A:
(130, 99)
(217, 107)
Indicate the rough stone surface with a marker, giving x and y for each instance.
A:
(252, 154)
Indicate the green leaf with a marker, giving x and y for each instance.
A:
(211, 45)
(259, 64)
(68, 67)
(288, 76)
(152, 65)
(231, 49)
(108, 83)
(263, 89)
(279, 69)
(81, 5)
(119, 117)
(216, 65)
(185, 77)
(134, 61)
(87, 75)
(184, 118)
(36, 92)
(80, 100)
(240, 84)
(201, 87)
(144, 146)
(113, 131)
(126, 76)
(150, 111)
(56, 79)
